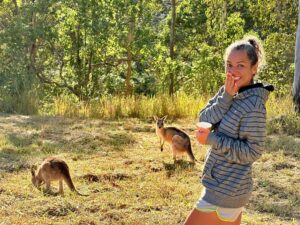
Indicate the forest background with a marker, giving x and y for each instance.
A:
(125, 58)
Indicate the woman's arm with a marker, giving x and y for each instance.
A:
(246, 149)
(216, 107)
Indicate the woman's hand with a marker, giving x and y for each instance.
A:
(230, 86)
(202, 135)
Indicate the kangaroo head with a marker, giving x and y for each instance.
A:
(160, 121)
(34, 179)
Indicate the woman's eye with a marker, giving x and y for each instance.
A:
(240, 66)
(229, 65)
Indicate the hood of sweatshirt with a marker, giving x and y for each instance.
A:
(259, 90)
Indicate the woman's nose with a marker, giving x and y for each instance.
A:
(231, 70)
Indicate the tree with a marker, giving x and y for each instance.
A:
(296, 84)
(172, 43)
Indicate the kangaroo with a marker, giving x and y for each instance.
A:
(52, 169)
(179, 140)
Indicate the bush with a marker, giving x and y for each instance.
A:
(285, 124)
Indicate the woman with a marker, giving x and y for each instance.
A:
(238, 115)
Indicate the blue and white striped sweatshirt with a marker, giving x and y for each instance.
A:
(236, 142)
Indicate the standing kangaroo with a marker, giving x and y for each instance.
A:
(179, 140)
(52, 169)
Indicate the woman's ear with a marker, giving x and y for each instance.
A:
(254, 69)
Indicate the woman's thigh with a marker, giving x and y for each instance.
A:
(197, 217)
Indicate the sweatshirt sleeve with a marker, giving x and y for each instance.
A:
(249, 146)
(216, 107)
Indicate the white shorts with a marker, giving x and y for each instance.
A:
(224, 214)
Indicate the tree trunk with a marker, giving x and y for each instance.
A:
(33, 47)
(172, 43)
(16, 9)
(130, 38)
(296, 83)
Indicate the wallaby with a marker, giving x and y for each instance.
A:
(178, 139)
(52, 169)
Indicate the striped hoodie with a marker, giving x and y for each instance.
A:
(237, 140)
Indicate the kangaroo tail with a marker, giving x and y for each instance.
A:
(69, 182)
(190, 153)
(67, 177)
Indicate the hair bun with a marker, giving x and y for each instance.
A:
(253, 43)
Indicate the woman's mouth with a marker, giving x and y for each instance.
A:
(236, 78)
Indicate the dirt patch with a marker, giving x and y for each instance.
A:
(156, 169)
(93, 209)
(90, 178)
(148, 209)
(105, 177)
(281, 166)
(112, 217)
(60, 210)
(114, 177)
(1, 191)
(85, 222)
(128, 162)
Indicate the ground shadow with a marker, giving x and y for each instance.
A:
(29, 137)
(11, 161)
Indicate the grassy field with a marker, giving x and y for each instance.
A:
(128, 180)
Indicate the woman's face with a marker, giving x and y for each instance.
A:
(239, 65)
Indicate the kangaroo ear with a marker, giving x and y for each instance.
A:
(165, 117)
(155, 118)
(33, 168)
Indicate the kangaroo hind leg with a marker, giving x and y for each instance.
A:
(178, 143)
(61, 187)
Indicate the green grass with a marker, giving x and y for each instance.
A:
(118, 163)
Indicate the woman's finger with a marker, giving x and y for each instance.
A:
(229, 84)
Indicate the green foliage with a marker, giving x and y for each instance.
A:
(286, 124)
(25, 103)
(279, 71)
(90, 49)
(206, 72)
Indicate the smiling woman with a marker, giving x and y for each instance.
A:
(240, 69)
(238, 117)
(243, 60)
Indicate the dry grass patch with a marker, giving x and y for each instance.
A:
(127, 179)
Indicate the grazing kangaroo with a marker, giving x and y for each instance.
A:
(52, 169)
(179, 140)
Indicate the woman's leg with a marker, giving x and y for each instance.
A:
(197, 217)
(236, 222)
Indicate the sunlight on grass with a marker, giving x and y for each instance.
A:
(4, 142)
(180, 106)
(277, 107)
